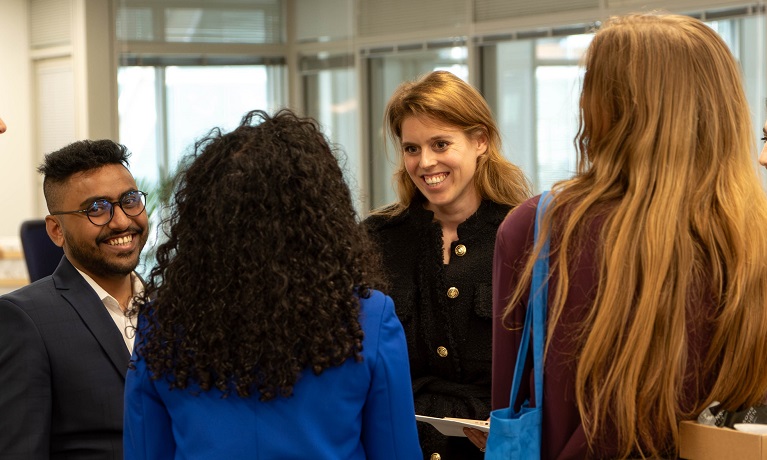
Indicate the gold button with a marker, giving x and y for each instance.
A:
(452, 292)
(435, 456)
(442, 351)
(460, 250)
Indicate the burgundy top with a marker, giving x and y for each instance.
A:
(563, 436)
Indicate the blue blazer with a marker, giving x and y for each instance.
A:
(62, 371)
(359, 410)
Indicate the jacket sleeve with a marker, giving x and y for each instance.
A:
(25, 388)
(147, 430)
(513, 243)
(388, 425)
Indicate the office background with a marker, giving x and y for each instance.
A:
(157, 74)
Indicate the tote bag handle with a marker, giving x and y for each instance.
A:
(516, 434)
(535, 323)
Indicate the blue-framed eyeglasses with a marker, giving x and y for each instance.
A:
(100, 212)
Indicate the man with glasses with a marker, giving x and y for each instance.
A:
(65, 341)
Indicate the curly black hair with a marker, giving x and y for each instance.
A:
(265, 261)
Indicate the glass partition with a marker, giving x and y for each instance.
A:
(330, 96)
(533, 86)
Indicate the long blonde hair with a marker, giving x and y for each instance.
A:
(666, 155)
(445, 98)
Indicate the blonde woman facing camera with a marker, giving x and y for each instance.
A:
(657, 286)
(454, 189)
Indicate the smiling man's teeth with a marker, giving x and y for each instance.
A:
(121, 240)
(436, 179)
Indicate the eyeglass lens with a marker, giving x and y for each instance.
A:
(101, 211)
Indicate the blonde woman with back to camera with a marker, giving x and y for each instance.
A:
(657, 286)
(454, 188)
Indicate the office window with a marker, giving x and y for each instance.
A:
(164, 109)
(330, 96)
(187, 66)
(137, 102)
(533, 86)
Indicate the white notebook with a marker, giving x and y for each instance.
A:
(454, 426)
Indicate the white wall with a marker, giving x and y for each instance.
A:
(18, 178)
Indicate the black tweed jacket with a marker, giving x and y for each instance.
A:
(446, 311)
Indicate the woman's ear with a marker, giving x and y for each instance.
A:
(481, 142)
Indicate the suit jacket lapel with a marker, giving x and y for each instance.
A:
(83, 299)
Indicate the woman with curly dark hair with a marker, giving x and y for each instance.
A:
(264, 337)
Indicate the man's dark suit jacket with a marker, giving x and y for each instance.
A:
(62, 372)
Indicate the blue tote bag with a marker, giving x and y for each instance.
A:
(517, 434)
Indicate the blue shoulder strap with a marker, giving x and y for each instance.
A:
(535, 317)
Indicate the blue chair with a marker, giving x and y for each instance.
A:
(40, 253)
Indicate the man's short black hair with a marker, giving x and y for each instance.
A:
(77, 157)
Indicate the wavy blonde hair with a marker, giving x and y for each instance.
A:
(445, 98)
(666, 156)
